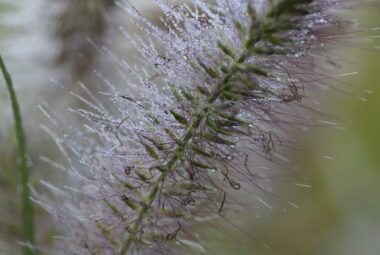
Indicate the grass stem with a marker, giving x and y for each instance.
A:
(27, 213)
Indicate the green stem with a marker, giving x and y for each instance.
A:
(27, 207)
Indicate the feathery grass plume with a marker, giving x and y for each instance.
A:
(78, 22)
(209, 98)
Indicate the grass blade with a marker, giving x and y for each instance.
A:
(27, 207)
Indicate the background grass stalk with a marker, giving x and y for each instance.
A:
(27, 213)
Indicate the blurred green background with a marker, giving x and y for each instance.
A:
(340, 214)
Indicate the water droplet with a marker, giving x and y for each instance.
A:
(230, 157)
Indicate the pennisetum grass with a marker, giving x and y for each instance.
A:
(213, 91)
(27, 213)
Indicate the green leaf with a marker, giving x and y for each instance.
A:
(210, 71)
(251, 68)
(232, 118)
(128, 202)
(179, 118)
(217, 128)
(173, 136)
(275, 40)
(149, 149)
(175, 92)
(171, 213)
(226, 50)
(203, 91)
(114, 209)
(187, 94)
(153, 119)
(199, 150)
(199, 164)
(106, 233)
(158, 143)
(143, 176)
